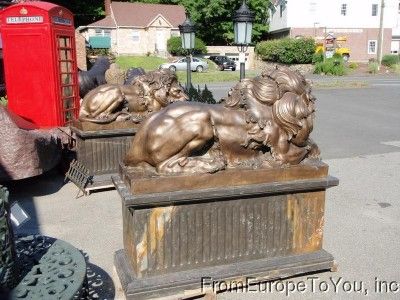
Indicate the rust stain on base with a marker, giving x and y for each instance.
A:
(305, 214)
(152, 235)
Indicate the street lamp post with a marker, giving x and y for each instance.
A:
(187, 31)
(242, 26)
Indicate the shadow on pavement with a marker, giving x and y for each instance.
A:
(100, 284)
(23, 191)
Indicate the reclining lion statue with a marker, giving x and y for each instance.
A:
(265, 121)
(148, 93)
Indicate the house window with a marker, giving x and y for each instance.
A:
(343, 9)
(372, 46)
(135, 36)
(102, 32)
(280, 10)
(374, 10)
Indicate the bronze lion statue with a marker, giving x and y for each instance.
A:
(265, 121)
(148, 93)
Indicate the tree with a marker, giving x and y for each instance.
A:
(213, 18)
(85, 12)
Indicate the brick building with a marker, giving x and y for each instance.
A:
(357, 21)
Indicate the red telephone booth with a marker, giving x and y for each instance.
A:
(40, 63)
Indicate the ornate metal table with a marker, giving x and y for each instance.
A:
(55, 269)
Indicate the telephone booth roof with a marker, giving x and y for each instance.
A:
(51, 13)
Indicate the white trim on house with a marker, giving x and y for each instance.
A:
(155, 19)
(136, 27)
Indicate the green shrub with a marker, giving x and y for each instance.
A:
(337, 55)
(331, 66)
(396, 68)
(199, 95)
(353, 65)
(373, 67)
(287, 50)
(268, 50)
(318, 57)
(390, 59)
(3, 101)
(174, 46)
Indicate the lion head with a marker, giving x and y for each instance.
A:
(160, 88)
(278, 102)
(294, 110)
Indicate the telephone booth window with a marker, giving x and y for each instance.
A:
(67, 79)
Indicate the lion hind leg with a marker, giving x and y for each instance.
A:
(203, 136)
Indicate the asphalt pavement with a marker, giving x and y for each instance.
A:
(358, 131)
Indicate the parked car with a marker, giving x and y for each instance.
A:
(223, 62)
(196, 64)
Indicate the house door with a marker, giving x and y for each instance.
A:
(160, 40)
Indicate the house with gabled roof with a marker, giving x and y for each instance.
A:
(135, 28)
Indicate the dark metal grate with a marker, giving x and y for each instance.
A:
(79, 175)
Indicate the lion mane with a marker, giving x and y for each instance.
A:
(286, 92)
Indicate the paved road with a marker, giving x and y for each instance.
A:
(219, 89)
(358, 132)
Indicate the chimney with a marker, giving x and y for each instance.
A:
(107, 7)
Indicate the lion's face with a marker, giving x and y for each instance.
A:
(170, 93)
(176, 93)
(137, 97)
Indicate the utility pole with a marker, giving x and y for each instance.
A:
(380, 41)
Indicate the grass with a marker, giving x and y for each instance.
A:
(335, 84)
(146, 62)
(373, 67)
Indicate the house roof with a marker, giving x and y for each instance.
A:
(106, 22)
(141, 14)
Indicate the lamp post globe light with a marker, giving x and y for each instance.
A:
(242, 26)
(187, 31)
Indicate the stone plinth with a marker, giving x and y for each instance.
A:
(263, 226)
(101, 148)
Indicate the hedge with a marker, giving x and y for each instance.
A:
(287, 50)
(390, 59)
(174, 46)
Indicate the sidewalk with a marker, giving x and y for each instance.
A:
(361, 229)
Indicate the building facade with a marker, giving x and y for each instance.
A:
(135, 28)
(355, 21)
(395, 44)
